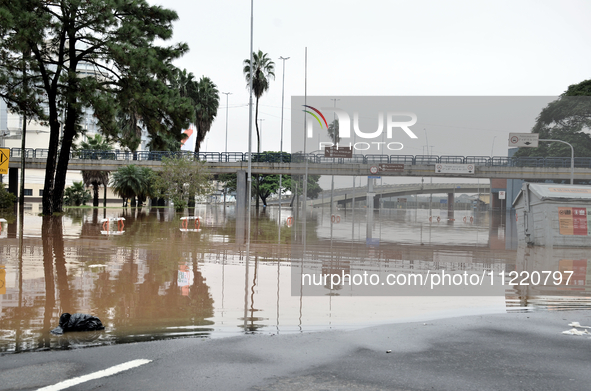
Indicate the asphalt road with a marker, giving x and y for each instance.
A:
(517, 351)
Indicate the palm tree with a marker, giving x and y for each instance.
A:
(206, 108)
(129, 182)
(185, 83)
(263, 69)
(96, 178)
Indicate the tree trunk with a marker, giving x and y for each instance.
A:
(62, 167)
(50, 164)
(256, 124)
(95, 190)
(256, 192)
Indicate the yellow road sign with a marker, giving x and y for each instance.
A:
(4, 156)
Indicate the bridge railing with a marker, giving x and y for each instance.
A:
(501, 161)
(452, 159)
(426, 159)
(401, 159)
(478, 160)
(285, 157)
(16, 152)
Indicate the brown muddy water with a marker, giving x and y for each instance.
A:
(155, 278)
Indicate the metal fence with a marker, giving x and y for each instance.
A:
(277, 157)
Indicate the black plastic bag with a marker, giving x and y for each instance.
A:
(78, 322)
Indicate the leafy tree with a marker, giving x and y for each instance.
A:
(206, 108)
(96, 178)
(182, 177)
(52, 39)
(76, 195)
(132, 181)
(313, 189)
(261, 70)
(269, 184)
(7, 199)
(568, 118)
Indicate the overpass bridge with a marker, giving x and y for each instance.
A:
(530, 168)
(345, 196)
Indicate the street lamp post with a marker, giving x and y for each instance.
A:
(226, 148)
(332, 177)
(572, 157)
(226, 93)
(281, 145)
(261, 136)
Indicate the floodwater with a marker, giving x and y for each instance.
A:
(155, 277)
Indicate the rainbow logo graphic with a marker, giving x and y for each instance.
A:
(316, 116)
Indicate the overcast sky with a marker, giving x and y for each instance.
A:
(382, 48)
(418, 47)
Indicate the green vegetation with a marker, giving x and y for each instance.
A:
(181, 179)
(76, 195)
(263, 69)
(48, 41)
(96, 178)
(204, 97)
(568, 118)
(131, 182)
(265, 185)
(7, 199)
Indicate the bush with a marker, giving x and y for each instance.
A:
(7, 199)
(76, 195)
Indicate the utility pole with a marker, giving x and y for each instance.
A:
(281, 145)
(226, 149)
(336, 141)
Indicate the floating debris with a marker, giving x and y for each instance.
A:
(577, 324)
(576, 332)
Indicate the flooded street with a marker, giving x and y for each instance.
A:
(152, 276)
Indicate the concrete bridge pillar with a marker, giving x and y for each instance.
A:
(450, 205)
(370, 194)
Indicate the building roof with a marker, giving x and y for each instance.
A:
(557, 192)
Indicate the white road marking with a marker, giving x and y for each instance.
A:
(95, 375)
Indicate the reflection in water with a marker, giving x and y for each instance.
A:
(158, 280)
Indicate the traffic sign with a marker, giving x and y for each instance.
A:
(342, 152)
(373, 169)
(501, 195)
(374, 177)
(446, 168)
(523, 140)
(390, 167)
(4, 157)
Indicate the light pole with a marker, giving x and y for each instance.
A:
(431, 178)
(336, 141)
(249, 175)
(281, 145)
(493, 147)
(572, 157)
(226, 148)
(226, 93)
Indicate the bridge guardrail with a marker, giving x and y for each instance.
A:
(285, 157)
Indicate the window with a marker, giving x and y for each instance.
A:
(28, 192)
(41, 193)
